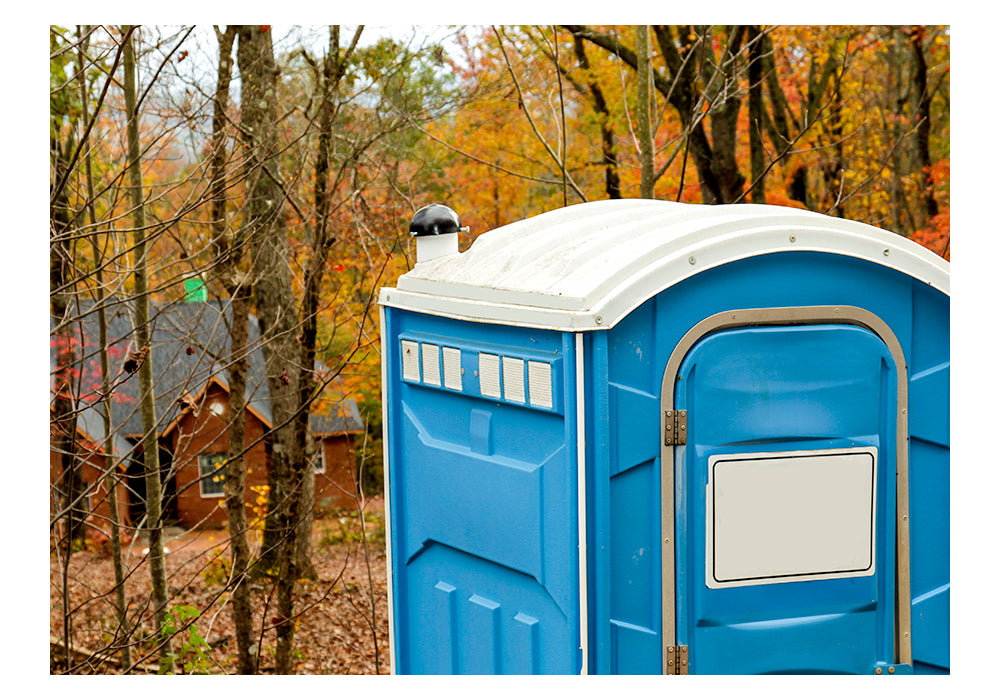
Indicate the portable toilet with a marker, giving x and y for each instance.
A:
(637, 436)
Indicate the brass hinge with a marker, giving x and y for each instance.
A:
(677, 661)
(675, 425)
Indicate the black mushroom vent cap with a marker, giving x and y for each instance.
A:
(434, 220)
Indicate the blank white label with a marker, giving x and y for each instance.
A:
(411, 361)
(431, 364)
(452, 360)
(489, 375)
(513, 379)
(790, 516)
(540, 384)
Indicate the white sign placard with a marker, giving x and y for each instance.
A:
(790, 516)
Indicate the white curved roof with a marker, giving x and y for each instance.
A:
(586, 266)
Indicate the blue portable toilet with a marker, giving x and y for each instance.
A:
(644, 437)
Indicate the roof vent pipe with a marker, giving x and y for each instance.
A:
(436, 229)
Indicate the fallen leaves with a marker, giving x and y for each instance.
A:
(342, 625)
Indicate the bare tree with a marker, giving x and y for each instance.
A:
(140, 359)
(229, 252)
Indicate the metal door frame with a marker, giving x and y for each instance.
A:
(788, 316)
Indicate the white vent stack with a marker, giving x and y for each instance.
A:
(436, 229)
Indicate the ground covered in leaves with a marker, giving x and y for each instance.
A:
(342, 613)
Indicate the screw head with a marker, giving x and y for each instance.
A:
(878, 671)
(692, 260)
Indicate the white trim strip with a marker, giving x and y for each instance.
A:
(387, 495)
(581, 500)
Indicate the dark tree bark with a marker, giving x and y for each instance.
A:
(328, 78)
(612, 181)
(276, 310)
(755, 106)
(922, 116)
(719, 175)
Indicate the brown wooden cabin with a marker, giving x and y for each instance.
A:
(192, 404)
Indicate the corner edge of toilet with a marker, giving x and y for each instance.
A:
(789, 370)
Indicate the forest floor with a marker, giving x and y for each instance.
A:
(342, 622)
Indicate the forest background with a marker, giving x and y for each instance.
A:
(308, 152)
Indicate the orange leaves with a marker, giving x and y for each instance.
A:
(937, 236)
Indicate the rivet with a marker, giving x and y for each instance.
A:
(691, 260)
(885, 252)
(878, 671)
(598, 320)
(892, 669)
(666, 540)
(791, 239)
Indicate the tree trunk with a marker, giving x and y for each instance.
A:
(612, 181)
(272, 293)
(150, 446)
(111, 477)
(922, 116)
(66, 520)
(755, 106)
(236, 286)
(720, 178)
(644, 118)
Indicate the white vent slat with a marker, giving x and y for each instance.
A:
(431, 364)
(452, 360)
(513, 379)
(411, 361)
(489, 375)
(540, 384)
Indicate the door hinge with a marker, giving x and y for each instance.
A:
(675, 425)
(677, 661)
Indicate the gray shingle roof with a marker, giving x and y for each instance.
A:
(189, 346)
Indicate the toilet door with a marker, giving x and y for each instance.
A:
(784, 518)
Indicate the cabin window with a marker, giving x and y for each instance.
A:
(319, 460)
(212, 473)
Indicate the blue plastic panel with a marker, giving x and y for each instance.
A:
(483, 499)
(780, 390)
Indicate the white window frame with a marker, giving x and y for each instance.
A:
(319, 465)
(203, 479)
